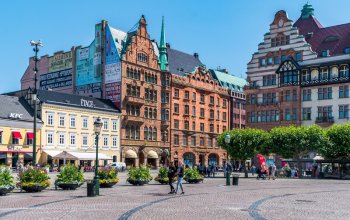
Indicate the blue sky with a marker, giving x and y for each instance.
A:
(225, 33)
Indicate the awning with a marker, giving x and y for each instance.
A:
(69, 155)
(152, 155)
(318, 157)
(28, 156)
(30, 135)
(130, 154)
(52, 153)
(16, 135)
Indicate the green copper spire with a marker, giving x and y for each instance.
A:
(163, 58)
(307, 11)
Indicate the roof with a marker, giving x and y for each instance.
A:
(119, 37)
(180, 63)
(229, 81)
(65, 99)
(71, 155)
(11, 105)
(334, 38)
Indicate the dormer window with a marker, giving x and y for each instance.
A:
(142, 57)
(280, 40)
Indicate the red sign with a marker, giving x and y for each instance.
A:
(113, 92)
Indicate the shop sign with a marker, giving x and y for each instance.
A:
(15, 115)
(86, 103)
(14, 148)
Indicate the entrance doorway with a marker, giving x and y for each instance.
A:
(189, 159)
(213, 159)
(202, 159)
(130, 161)
(14, 159)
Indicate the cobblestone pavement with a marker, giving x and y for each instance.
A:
(251, 199)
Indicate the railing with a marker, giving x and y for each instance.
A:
(325, 81)
(132, 99)
(325, 119)
(134, 118)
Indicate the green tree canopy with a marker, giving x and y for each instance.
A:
(339, 142)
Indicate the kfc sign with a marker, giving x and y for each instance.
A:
(15, 115)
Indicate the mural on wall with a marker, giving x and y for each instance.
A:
(59, 74)
(113, 70)
(88, 66)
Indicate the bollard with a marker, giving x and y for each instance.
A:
(91, 189)
(228, 174)
(235, 180)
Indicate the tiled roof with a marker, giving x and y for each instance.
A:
(334, 38)
(229, 81)
(12, 104)
(65, 99)
(181, 63)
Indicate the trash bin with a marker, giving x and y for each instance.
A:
(91, 189)
(228, 174)
(235, 180)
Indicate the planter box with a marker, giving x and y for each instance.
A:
(194, 180)
(69, 186)
(137, 182)
(108, 185)
(4, 191)
(37, 188)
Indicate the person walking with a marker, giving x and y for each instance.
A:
(180, 175)
(270, 170)
(253, 170)
(273, 171)
(171, 174)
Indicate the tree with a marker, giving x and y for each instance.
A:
(243, 143)
(339, 142)
(294, 142)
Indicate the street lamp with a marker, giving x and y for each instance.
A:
(228, 174)
(97, 129)
(36, 46)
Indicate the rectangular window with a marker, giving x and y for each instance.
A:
(193, 96)
(211, 100)
(217, 101)
(307, 95)
(283, 58)
(201, 141)
(61, 139)
(193, 110)
(287, 114)
(287, 95)
(224, 101)
(0, 137)
(217, 129)
(176, 139)
(85, 140)
(193, 141)
(187, 110)
(105, 124)
(212, 128)
(224, 116)
(72, 139)
(297, 56)
(343, 91)
(269, 60)
(202, 113)
(276, 60)
(184, 140)
(343, 111)
(262, 62)
(61, 121)
(176, 93)
(210, 142)
(49, 138)
(217, 115)
(105, 141)
(50, 119)
(85, 122)
(114, 125)
(187, 95)
(176, 108)
(202, 98)
(294, 114)
(294, 95)
(186, 125)
(202, 127)
(324, 112)
(114, 142)
(72, 121)
(306, 113)
(176, 124)
(193, 126)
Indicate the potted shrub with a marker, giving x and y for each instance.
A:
(192, 176)
(108, 177)
(33, 179)
(69, 178)
(139, 175)
(162, 177)
(6, 181)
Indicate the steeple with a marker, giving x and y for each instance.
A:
(163, 57)
(307, 11)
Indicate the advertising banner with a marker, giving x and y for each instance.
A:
(58, 79)
(113, 91)
(60, 61)
(113, 72)
(86, 71)
(84, 53)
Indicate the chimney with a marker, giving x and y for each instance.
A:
(167, 45)
(196, 55)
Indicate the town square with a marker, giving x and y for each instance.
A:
(175, 110)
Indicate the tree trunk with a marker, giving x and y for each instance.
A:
(300, 169)
(245, 170)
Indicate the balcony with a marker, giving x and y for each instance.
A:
(165, 123)
(131, 118)
(136, 100)
(251, 87)
(165, 105)
(325, 119)
(333, 80)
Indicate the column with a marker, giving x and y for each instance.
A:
(137, 162)
(157, 162)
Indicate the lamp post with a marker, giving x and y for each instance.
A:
(228, 173)
(97, 129)
(36, 46)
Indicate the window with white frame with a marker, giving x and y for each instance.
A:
(105, 141)
(105, 124)
(72, 139)
(61, 138)
(84, 140)
(85, 122)
(61, 120)
(50, 119)
(72, 121)
(114, 141)
(49, 138)
(114, 125)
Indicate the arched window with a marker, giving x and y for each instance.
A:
(150, 113)
(138, 74)
(132, 110)
(131, 72)
(137, 133)
(155, 113)
(133, 91)
(344, 71)
(128, 109)
(167, 115)
(145, 133)
(132, 132)
(154, 134)
(155, 96)
(127, 132)
(151, 95)
(137, 110)
(150, 133)
(127, 72)
(146, 112)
